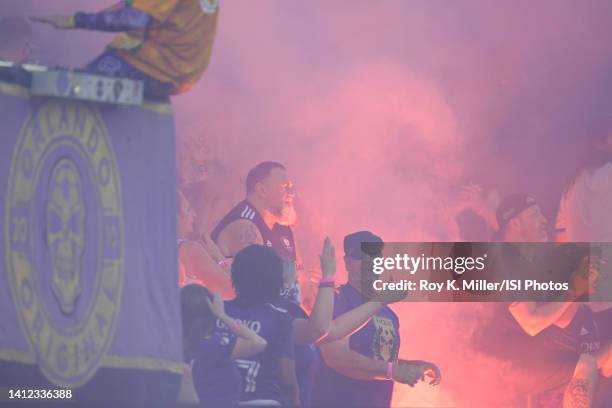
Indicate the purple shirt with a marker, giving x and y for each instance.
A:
(378, 339)
(260, 373)
(216, 377)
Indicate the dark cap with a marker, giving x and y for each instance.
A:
(353, 248)
(511, 206)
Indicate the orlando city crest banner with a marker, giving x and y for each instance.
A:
(88, 289)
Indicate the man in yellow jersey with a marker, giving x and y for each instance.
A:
(165, 43)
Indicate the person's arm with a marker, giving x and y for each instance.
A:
(215, 252)
(581, 388)
(248, 343)
(349, 363)
(198, 262)
(341, 358)
(288, 381)
(116, 20)
(308, 331)
(238, 235)
(187, 393)
(351, 321)
(534, 318)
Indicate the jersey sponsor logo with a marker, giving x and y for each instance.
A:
(584, 331)
(64, 239)
(286, 242)
(385, 346)
(269, 243)
(209, 6)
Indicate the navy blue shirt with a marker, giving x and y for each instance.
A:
(379, 339)
(260, 373)
(279, 238)
(582, 335)
(306, 356)
(215, 376)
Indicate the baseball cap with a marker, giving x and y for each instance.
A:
(353, 248)
(511, 206)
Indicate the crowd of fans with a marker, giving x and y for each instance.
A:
(252, 251)
(346, 351)
(247, 337)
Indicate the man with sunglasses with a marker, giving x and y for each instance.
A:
(553, 346)
(360, 370)
(265, 217)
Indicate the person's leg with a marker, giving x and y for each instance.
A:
(109, 63)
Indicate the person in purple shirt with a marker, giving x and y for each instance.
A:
(257, 275)
(209, 355)
(360, 370)
(269, 377)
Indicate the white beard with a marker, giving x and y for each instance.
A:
(288, 216)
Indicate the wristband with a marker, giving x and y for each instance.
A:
(327, 285)
(390, 370)
(328, 279)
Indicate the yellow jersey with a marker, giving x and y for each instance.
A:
(177, 45)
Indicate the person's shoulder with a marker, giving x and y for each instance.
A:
(278, 314)
(294, 309)
(241, 223)
(241, 231)
(190, 245)
(346, 298)
(190, 248)
(276, 309)
(285, 229)
(347, 292)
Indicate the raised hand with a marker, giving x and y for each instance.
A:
(328, 259)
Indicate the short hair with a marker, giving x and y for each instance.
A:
(198, 320)
(257, 274)
(259, 173)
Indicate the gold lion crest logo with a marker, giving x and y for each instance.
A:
(64, 238)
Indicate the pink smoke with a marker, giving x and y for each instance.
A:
(380, 110)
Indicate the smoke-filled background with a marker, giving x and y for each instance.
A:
(382, 112)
